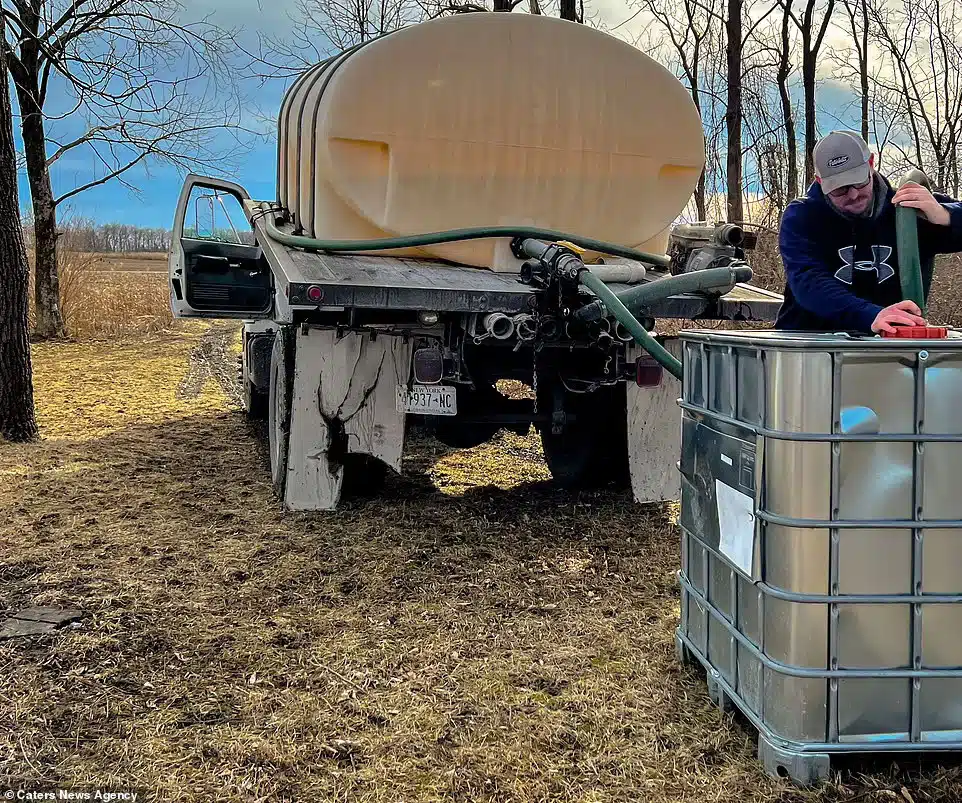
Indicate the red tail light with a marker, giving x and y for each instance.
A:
(428, 366)
(648, 372)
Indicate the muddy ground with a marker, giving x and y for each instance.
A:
(474, 634)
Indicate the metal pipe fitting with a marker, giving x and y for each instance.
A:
(550, 329)
(621, 333)
(498, 325)
(526, 327)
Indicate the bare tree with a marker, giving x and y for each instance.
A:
(788, 115)
(17, 417)
(856, 12)
(768, 175)
(688, 26)
(714, 53)
(923, 44)
(569, 10)
(736, 39)
(573, 10)
(151, 86)
(733, 111)
(813, 34)
(738, 66)
(321, 29)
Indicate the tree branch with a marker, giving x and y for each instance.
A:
(99, 181)
(93, 133)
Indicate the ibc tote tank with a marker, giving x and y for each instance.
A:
(489, 119)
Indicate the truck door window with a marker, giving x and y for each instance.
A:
(217, 216)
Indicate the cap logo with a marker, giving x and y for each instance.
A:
(838, 160)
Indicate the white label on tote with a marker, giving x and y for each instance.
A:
(736, 526)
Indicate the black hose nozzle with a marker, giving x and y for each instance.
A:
(546, 260)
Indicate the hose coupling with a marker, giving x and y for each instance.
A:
(498, 325)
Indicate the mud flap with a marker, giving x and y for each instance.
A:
(343, 402)
(654, 434)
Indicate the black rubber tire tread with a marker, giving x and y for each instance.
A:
(282, 381)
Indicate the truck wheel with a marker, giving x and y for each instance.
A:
(279, 406)
(592, 450)
(256, 402)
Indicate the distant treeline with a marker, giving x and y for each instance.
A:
(108, 238)
(111, 238)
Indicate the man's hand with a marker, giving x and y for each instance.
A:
(916, 196)
(905, 313)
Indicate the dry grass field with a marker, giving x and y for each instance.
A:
(113, 295)
(473, 634)
(135, 263)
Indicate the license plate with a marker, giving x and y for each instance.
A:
(427, 399)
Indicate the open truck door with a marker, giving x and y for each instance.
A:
(215, 267)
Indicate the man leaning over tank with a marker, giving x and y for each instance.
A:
(838, 243)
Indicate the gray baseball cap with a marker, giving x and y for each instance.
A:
(841, 158)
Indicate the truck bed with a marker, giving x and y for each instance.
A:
(380, 282)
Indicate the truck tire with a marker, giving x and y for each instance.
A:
(592, 450)
(256, 400)
(279, 406)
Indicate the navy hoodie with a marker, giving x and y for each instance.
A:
(841, 271)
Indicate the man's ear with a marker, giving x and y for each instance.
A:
(871, 160)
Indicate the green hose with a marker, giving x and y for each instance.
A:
(699, 281)
(455, 235)
(907, 245)
(621, 313)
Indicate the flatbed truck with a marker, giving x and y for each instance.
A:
(342, 350)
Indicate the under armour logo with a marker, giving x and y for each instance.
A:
(878, 263)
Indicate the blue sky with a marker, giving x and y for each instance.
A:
(160, 184)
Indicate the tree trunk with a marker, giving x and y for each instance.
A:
(701, 200)
(569, 10)
(808, 83)
(863, 69)
(701, 205)
(50, 321)
(788, 118)
(733, 115)
(811, 44)
(17, 418)
(502, 5)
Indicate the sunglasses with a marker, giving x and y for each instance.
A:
(841, 192)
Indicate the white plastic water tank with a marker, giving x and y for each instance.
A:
(489, 119)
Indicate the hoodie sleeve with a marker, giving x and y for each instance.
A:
(943, 239)
(813, 282)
